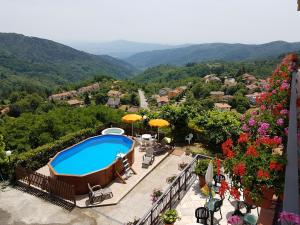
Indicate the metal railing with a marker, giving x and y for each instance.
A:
(291, 184)
(173, 194)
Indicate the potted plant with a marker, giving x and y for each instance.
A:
(250, 159)
(156, 194)
(169, 217)
(200, 170)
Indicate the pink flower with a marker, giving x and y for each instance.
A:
(284, 112)
(242, 117)
(285, 85)
(267, 87)
(245, 127)
(253, 113)
(263, 107)
(234, 220)
(280, 122)
(274, 91)
(289, 217)
(262, 130)
(286, 131)
(251, 122)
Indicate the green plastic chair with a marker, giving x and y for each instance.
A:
(250, 219)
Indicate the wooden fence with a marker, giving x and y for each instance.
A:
(172, 195)
(52, 186)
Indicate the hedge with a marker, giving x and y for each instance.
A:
(39, 157)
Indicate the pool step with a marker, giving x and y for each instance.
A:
(128, 170)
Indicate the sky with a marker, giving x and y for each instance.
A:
(153, 21)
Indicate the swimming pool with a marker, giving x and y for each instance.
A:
(93, 161)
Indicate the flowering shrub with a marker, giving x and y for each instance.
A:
(289, 218)
(250, 160)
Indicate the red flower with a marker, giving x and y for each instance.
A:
(234, 192)
(230, 154)
(251, 151)
(275, 166)
(224, 187)
(227, 147)
(243, 138)
(261, 174)
(239, 169)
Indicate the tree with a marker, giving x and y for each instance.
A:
(240, 103)
(216, 126)
(101, 98)
(2, 147)
(87, 99)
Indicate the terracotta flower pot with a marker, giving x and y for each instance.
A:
(266, 200)
(201, 181)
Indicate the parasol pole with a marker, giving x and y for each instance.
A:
(132, 129)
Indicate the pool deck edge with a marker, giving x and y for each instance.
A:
(129, 190)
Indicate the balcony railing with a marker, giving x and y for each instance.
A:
(173, 194)
(291, 184)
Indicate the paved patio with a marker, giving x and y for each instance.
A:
(194, 199)
(19, 208)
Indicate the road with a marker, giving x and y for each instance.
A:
(143, 100)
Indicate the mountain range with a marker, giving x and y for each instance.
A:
(40, 57)
(120, 48)
(209, 52)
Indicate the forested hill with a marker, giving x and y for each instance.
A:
(214, 51)
(36, 56)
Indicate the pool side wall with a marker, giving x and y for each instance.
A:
(103, 177)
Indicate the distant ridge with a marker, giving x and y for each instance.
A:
(32, 55)
(213, 51)
(121, 48)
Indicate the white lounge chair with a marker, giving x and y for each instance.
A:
(148, 158)
(189, 138)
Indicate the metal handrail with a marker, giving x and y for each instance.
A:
(172, 193)
(291, 185)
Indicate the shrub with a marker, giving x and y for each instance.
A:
(201, 167)
(170, 216)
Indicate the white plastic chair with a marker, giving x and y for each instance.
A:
(189, 138)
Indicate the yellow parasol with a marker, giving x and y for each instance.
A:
(131, 118)
(158, 123)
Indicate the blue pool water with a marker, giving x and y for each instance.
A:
(91, 155)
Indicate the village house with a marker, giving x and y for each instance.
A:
(251, 88)
(113, 93)
(227, 97)
(63, 96)
(217, 95)
(4, 110)
(248, 78)
(133, 109)
(174, 93)
(113, 102)
(75, 102)
(89, 88)
(162, 100)
(212, 78)
(164, 91)
(222, 106)
(229, 82)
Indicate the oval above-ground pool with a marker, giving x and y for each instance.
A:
(93, 161)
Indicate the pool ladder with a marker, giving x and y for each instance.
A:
(125, 163)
